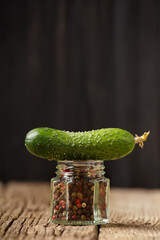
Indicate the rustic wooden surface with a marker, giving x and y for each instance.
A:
(25, 213)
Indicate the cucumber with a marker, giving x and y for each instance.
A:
(102, 144)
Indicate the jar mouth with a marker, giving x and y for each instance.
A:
(89, 168)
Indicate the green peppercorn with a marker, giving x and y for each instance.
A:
(74, 208)
(64, 213)
(79, 195)
(79, 211)
(74, 194)
(92, 188)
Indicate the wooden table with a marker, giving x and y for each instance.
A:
(25, 213)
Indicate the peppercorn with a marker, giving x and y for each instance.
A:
(63, 188)
(85, 180)
(92, 218)
(91, 210)
(91, 197)
(102, 192)
(56, 202)
(64, 206)
(79, 211)
(84, 211)
(55, 211)
(78, 200)
(55, 196)
(92, 188)
(71, 213)
(86, 200)
(73, 200)
(79, 205)
(84, 205)
(79, 189)
(89, 192)
(79, 195)
(74, 217)
(70, 185)
(88, 207)
(74, 194)
(60, 210)
(70, 205)
(90, 184)
(75, 208)
(76, 177)
(74, 189)
(85, 193)
(79, 184)
(64, 213)
(87, 213)
(62, 202)
(60, 215)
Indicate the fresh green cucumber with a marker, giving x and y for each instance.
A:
(102, 144)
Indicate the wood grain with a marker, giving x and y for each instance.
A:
(135, 214)
(25, 214)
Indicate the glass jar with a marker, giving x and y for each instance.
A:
(80, 193)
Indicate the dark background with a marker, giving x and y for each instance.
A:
(80, 65)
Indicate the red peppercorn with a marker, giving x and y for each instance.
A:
(61, 184)
(65, 170)
(69, 204)
(74, 216)
(63, 218)
(62, 202)
(102, 193)
(79, 189)
(64, 206)
(79, 205)
(54, 216)
(57, 207)
(78, 200)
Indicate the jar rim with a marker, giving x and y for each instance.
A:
(80, 161)
(89, 168)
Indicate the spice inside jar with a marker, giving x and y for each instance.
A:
(80, 193)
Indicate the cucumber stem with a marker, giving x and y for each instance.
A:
(141, 139)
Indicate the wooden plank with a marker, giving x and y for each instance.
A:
(135, 214)
(25, 213)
